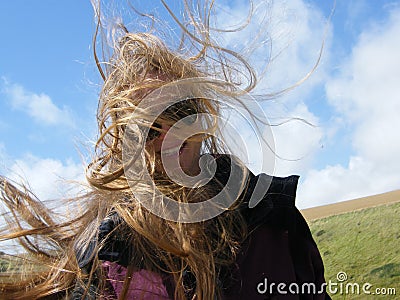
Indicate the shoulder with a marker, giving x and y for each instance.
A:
(271, 200)
(265, 198)
(270, 185)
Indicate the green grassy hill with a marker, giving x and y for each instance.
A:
(366, 246)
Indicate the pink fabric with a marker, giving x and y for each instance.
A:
(144, 285)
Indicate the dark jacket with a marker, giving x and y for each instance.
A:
(278, 260)
(280, 248)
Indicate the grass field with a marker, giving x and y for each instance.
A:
(365, 245)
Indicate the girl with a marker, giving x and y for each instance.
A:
(127, 242)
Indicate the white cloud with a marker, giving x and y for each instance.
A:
(298, 31)
(296, 141)
(48, 178)
(39, 106)
(366, 96)
(290, 33)
(359, 178)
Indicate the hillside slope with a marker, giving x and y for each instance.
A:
(365, 245)
(351, 205)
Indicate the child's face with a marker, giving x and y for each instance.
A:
(188, 152)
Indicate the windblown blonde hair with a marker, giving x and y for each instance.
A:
(140, 63)
(202, 248)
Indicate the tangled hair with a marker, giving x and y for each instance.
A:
(140, 63)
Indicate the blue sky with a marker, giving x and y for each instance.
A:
(49, 87)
